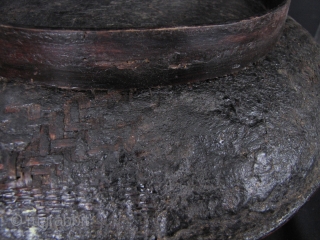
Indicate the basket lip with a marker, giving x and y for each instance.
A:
(136, 58)
(282, 4)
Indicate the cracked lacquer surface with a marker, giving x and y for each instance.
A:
(227, 158)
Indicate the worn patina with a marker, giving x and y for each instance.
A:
(232, 157)
(132, 44)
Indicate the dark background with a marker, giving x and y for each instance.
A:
(305, 225)
(307, 13)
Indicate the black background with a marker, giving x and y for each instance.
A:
(307, 13)
(305, 225)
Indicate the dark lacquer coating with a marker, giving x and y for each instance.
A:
(125, 56)
(230, 158)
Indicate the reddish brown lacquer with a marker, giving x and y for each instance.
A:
(147, 52)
